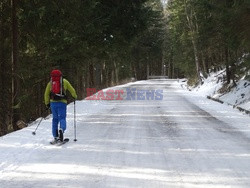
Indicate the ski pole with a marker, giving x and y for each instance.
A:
(34, 132)
(75, 119)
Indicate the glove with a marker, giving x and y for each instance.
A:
(48, 106)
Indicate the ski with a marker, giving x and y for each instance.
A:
(53, 142)
(59, 143)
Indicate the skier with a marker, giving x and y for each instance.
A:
(56, 99)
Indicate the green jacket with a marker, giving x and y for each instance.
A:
(66, 85)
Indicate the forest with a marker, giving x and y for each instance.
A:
(102, 43)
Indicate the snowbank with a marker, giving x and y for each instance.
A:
(238, 96)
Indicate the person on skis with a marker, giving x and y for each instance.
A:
(55, 98)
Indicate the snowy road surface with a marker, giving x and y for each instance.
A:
(184, 140)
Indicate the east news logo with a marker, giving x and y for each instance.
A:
(120, 94)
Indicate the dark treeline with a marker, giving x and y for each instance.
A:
(95, 43)
(100, 43)
(205, 35)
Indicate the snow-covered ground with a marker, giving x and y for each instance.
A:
(178, 139)
(238, 96)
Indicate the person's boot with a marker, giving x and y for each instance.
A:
(54, 141)
(61, 135)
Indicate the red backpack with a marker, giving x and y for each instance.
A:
(57, 90)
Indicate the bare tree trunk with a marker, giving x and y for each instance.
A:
(3, 88)
(193, 29)
(15, 78)
(104, 75)
(109, 76)
(116, 70)
(133, 70)
(204, 63)
(80, 84)
(91, 75)
(163, 66)
(196, 57)
(170, 65)
(228, 72)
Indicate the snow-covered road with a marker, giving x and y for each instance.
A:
(183, 140)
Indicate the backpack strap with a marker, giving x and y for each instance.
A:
(61, 85)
